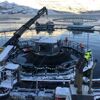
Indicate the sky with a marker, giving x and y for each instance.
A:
(59, 4)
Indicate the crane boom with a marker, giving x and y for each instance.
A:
(14, 39)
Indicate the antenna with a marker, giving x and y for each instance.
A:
(87, 41)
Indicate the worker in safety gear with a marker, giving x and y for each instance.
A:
(81, 47)
(88, 55)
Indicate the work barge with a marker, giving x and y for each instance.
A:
(45, 68)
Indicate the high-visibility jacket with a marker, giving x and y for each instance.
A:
(88, 55)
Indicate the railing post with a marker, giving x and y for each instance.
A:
(45, 71)
(91, 76)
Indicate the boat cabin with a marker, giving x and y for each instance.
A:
(47, 46)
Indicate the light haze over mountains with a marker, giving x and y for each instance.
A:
(75, 6)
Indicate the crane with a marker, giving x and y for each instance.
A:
(14, 39)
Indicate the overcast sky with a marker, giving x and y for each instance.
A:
(89, 4)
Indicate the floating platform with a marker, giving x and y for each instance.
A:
(49, 26)
(80, 27)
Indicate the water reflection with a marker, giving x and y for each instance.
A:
(93, 41)
(77, 32)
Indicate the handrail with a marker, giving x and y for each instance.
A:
(74, 45)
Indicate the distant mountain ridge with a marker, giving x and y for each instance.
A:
(12, 8)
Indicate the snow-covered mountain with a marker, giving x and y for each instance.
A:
(12, 8)
(57, 6)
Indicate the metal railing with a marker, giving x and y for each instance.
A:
(74, 46)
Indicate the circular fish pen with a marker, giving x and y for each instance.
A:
(74, 19)
(48, 58)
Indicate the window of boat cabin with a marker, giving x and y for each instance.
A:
(48, 48)
(45, 48)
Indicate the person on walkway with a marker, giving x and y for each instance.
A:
(81, 45)
(88, 55)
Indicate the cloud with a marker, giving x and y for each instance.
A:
(87, 4)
